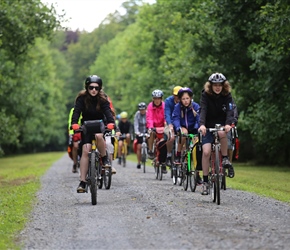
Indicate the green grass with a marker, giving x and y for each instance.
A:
(19, 182)
(266, 181)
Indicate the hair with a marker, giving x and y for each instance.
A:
(225, 91)
(101, 96)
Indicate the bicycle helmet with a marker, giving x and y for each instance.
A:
(176, 89)
(123, 115)
(93, 78)
(157, 93)
(142, 105)
(217, 78)
(183, 90)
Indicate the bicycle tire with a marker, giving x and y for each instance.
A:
(174, 174)
(193, 180)
(217, 175)
(179, 175)
(92, 177)
(99, 175)
(224, 185)
(143, 158)
(107, 176)
(185, 181)
(156, 168)
(160, 172)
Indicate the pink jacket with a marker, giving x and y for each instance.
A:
(155, 116)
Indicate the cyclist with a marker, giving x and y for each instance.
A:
(125, 127)
(185, 119)
(74, 140)
(216, 108)
(169, 106)
(92, 103)
(155, 118)
(140, 128)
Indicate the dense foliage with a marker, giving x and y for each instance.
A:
(151, 46)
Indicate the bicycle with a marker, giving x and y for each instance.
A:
(174, 166)
(187, 171)
(94, 175)
(144, 152)
(159, 167)
(216, 177)
(124, 150)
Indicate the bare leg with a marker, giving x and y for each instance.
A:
(205, 158)
(84, 162)
(139, 153)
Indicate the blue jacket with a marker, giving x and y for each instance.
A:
(169, 107)
(187, 117)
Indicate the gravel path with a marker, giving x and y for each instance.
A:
(140, 212)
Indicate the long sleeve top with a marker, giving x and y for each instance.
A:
(155, 115)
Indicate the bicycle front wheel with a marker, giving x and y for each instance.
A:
(92, 177)
(217, 175)
(157, 169)
(107, 176)
(143, 159)
(174, 174)
(193, 180)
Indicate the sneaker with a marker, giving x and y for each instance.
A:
(168, 161)
(74, 169)
(226, 163)
(198, 179)
(106, 162)
(231, 172)
(119, 160)
(205, 189)
(82, 187)
(138, 166)
(177, 159)
(164, 170)
(114, 170)
(150, 155)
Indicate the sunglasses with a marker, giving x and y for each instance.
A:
(94, 87)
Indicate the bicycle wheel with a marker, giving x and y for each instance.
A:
(143, 158)
(223, 184)
(185, 181)
(193, 180)
(161, 171)
(107, 176)
(174, 174)
(179, 175)
(99, 174)
(217, 175)
(92, 178)
(156, 168)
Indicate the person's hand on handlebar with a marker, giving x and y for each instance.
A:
(75, 126)
(202, 129)
(227, 128)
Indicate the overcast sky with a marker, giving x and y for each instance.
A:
(86, 14)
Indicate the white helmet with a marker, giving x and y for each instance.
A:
(217, 78)
(157, 93)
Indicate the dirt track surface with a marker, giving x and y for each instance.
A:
(140, 212)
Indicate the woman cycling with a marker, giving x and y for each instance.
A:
(140, 128)
(216, 108)
(93, 104)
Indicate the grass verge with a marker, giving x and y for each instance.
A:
(268, 181)
(19, 182)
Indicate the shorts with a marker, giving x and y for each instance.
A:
(208, 138)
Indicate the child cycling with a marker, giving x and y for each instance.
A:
(185, 119)
(216, 108)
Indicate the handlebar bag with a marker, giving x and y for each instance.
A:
(93, 127)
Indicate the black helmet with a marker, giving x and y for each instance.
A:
(183, 90)
(217, 78)
(142, 105)
(94, 78)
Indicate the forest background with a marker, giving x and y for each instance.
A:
(43, 66)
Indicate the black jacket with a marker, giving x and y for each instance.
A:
(91, 113)
(216, 109)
